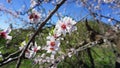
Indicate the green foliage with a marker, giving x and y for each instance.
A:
(103, 57)
(2, 41)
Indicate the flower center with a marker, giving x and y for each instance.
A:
(35, 50)
(52, 49)
(3, 34)
(63, 26)
(52, 43)
(31, 16)
(36, 16)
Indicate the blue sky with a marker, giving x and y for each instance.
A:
(72, 10)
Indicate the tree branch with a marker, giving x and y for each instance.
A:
(91, 58)
(39, 29)
(11, 55)
(8, 61)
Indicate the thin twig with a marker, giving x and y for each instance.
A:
(10, 56)
(82, 46)
(8, 61)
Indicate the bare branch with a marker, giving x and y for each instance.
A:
(11, 55)
(83, 46)
(8, 61)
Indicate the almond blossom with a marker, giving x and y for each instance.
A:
(34, 16)
(52, 44)
(35, 48)
(66, 25)
(33, 3)
(4, 34)
(32, 49)
(30, 53)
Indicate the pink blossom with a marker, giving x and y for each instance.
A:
(66, 25)
(52, 44)
(4, 34)
(34, 16)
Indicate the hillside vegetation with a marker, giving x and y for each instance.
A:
(103, 55)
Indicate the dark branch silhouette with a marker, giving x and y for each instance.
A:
(93, 35)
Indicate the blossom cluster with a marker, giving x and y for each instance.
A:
(64, 26)
(34, 15)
